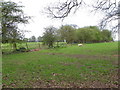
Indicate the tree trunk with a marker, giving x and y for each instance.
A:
(27, 46)
(57, 44)
(14, 46)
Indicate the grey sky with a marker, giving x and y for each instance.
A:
(82, 17)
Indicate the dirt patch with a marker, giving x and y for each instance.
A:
(89, 56)
(116, 55)
(63, 84)
(98, 84)
(83, 56)
(32, 50)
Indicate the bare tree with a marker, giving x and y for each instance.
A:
(63, 9)
(111, 10)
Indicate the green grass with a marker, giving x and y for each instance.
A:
(24, 69)
(110, 48)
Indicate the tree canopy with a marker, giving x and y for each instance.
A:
(93, 34)
(49, 36)
(67, 33)
(32, 39)
(12, 15)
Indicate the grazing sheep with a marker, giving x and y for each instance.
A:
(80, 45)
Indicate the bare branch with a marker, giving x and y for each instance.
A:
(110, 9)
(62, 10)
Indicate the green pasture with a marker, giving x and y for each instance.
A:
(110, 48)
(71, 66)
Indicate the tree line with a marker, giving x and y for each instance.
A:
(70, 35)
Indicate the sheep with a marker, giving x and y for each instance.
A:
(80, 45)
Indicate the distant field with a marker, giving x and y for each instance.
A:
(31, 45)
(90, 66)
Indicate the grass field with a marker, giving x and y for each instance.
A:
(90, 66)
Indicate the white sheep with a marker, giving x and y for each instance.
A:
(80, 45)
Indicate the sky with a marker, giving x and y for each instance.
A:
(39, 20)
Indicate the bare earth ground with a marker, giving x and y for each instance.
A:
(85, 56)
(53, 84)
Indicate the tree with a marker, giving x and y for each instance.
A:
(85, 34)
(106, 35)
(67, 33)
(25, 39)
(82, 35)
(49, 36)
(39, 39)
(91, 34)
(12, 15)
(64, 8)
(32, 39)
(95, 34)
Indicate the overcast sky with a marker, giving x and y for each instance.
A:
(34, 8)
